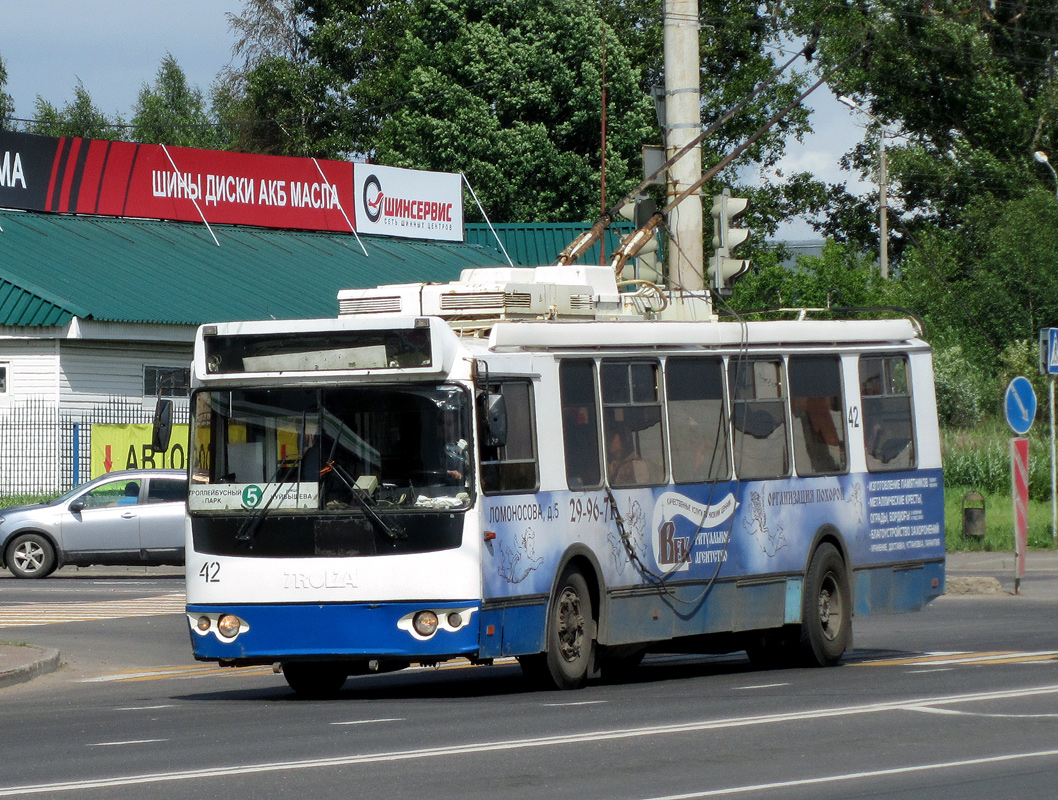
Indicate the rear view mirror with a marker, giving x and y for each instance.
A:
(495, 420)
(163, 426)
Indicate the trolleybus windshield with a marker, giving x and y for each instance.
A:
(333, 450)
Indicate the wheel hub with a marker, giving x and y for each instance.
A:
(570, 626)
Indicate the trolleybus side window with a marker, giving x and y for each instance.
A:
(888, 435)
(698, 434)
(631, 398)
(580, 423)
(758, 414)
(818, 421)
(512, 467)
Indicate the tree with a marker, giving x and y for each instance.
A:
(7, 103)
(80, 117)
(967, 86)
(171, 112)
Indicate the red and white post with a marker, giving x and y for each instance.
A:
(1019, 471)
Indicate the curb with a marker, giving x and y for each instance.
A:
(45, 661)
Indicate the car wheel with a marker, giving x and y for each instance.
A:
(30, 555)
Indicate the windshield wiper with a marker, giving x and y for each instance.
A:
(366, 504)
(250, 525)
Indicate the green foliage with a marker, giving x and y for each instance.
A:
(979, 459)
(843, 276)
(7, 103)
(962, 389)
(171, 112)
(79, 117)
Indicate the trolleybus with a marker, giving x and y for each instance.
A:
(531, 463)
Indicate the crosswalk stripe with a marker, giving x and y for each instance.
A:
(30, 614)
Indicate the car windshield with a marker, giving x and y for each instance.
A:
(331, 450)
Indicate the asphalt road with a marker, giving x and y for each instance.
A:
(960, 699)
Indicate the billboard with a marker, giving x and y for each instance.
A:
(406, 202)
(70, 175)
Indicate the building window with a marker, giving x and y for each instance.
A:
(166, 381)
(4, 370)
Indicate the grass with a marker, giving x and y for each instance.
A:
(999, 524)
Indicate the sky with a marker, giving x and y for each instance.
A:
(114, 47)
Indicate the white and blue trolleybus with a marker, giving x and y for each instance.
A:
(532, 463)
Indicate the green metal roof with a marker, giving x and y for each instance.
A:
(54, 267)
(535, 244)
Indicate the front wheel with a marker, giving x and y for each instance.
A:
(31, 555)
(570, 632)
(826, 621)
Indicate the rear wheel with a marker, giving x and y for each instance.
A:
(315, 679)
(826, 619)
(30, 555)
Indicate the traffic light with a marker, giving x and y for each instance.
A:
(723, 268)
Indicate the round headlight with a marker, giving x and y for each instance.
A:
(203, 623)
(229, 625)
(454, 619)
(425, 623)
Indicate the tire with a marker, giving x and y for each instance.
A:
(314, 680)
(570, 632)
(30, 555)
(826, 614)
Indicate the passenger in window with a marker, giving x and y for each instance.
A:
(131, 494)
(623, 466)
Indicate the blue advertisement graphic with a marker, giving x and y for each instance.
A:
(729, 529)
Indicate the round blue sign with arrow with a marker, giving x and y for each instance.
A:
(1020, 405)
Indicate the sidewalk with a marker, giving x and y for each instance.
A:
(966, 574)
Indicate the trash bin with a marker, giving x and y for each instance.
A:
(973, 516)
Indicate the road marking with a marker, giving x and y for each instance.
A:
(604, 735)
(29, 614)
(760, 686)
(578, 703)
(157, 673)
(145, 708)
(122, 744)
(947, 659)
(856, 776)
(369, 721)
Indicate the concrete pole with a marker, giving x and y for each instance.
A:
(883, 207)
(683, 123)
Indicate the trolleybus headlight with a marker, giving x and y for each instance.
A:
(204, 623)
(229, 625)
(455, 620)
(425, 623)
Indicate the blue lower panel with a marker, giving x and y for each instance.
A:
(894, 590)
(342, 629)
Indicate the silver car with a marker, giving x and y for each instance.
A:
(130, 517)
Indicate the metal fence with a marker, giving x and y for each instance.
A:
(45, 449)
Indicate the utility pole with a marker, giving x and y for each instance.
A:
(682, 123)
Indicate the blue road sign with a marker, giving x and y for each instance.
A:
(1020, 405)
(1049, 348)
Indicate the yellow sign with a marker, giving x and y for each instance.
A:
(116, 447)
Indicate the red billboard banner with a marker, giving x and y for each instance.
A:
(122, 179)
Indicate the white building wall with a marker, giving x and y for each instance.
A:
(95, 372)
